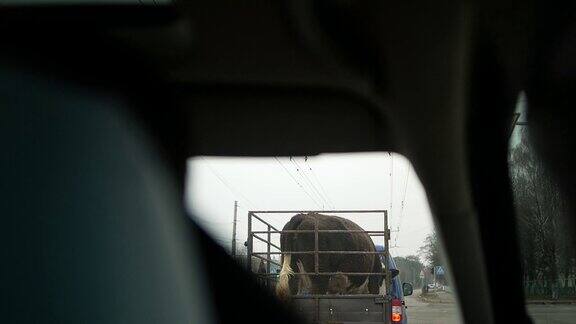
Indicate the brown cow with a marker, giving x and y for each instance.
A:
(339, 284)
(318, 284)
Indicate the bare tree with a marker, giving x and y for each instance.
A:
(430, 251)
(410, 268)
(540, 210)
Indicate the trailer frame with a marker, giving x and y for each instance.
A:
(320, 301)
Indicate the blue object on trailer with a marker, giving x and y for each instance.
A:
(396, 291)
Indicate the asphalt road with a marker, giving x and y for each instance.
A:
(553, 314)
(430, 313)
(447, 313)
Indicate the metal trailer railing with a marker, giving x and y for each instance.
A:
(257, 216)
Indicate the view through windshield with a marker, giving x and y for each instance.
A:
(345, 227)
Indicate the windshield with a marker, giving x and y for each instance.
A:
(265, 213)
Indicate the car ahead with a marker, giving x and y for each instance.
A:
(398, 290)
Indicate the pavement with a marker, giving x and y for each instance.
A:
(442, 309)
(424, 311)
(552, 313)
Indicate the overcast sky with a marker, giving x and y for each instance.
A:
(328, 181)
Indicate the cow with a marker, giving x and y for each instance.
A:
(289, 284)
(339, 284)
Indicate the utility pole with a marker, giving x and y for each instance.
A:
(515, 122)
(234, 229)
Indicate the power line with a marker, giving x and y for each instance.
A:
(245, 209)
(298, 183)
(319, 183)
(234, 192)
(403, 203)
(303, 175)
(321, 194)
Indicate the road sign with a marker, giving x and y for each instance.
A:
(439, 271)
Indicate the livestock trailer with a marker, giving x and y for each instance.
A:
(352, 308)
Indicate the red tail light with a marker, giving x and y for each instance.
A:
(397, 309)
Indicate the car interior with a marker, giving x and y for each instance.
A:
(102, 103)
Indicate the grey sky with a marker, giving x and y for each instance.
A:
(348, 181)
